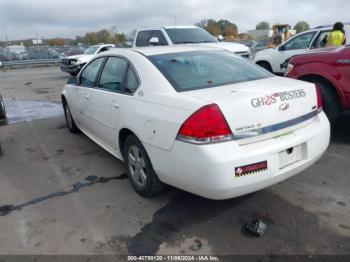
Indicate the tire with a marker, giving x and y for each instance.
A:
(331, 103)
(2, 109)
(265, 65)
(139, 169)
(69, 119)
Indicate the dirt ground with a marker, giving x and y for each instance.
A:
(308, 214)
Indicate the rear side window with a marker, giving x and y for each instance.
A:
(319, 42)
(113, 74)
(143, 38)
(206, 69)
(88, 76)
(132, 82)
(158, 34)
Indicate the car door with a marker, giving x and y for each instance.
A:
(343, 66)
(87, 81)
(107, 99)
(297, 45)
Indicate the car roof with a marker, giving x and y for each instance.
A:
(330, 26)
(102, 45)
(159, 50)
(180, 27)
(169, 27)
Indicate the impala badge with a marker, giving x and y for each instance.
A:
(284, 107)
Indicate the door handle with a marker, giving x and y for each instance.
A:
(343, 61)
(114, 105)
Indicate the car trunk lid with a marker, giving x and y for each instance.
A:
(263, 106)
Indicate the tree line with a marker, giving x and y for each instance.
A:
(110, 36)
(301, 26)
(227, 28)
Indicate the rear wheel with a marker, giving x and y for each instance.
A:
(2, 109)
(265, 65)
(69, 118)
(331, 103)
(140, 171)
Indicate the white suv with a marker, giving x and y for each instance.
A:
(274, 59)
(175, 35)
(73, 64)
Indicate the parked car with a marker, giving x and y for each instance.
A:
(273, 59)
(40, 53)
(329, 69)
(175, 35)
(197, 118)
(259, 46)
(73, 64)
(8, 57)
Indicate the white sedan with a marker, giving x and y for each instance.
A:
(200, 119)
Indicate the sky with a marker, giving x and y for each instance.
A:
(21, 19)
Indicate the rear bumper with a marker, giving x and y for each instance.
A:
(209, 170)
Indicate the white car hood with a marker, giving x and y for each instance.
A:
(232, 47)
(82, 59)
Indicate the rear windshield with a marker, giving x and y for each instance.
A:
(91, 50)
(205, 69)
(190, 36)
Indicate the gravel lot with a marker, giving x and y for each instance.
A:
(308, 214)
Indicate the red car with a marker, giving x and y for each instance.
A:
(328, 68)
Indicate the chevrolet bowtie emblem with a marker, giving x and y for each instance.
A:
(284, 107)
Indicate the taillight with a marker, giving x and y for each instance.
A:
(319, 98)
(207, 125)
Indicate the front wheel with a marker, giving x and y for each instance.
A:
(140, 171)
(331, 103)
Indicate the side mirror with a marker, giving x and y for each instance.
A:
(220, 38)
(73, 80)
(282, 48)
(1, 65)
(154, 41)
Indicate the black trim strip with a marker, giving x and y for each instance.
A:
(276, 127)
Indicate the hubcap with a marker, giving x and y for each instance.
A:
(68, 117)
(137, 166)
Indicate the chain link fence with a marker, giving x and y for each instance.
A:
(12, 56)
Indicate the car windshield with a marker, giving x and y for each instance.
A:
(91, 50)
(205, 69)
(189, 36)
